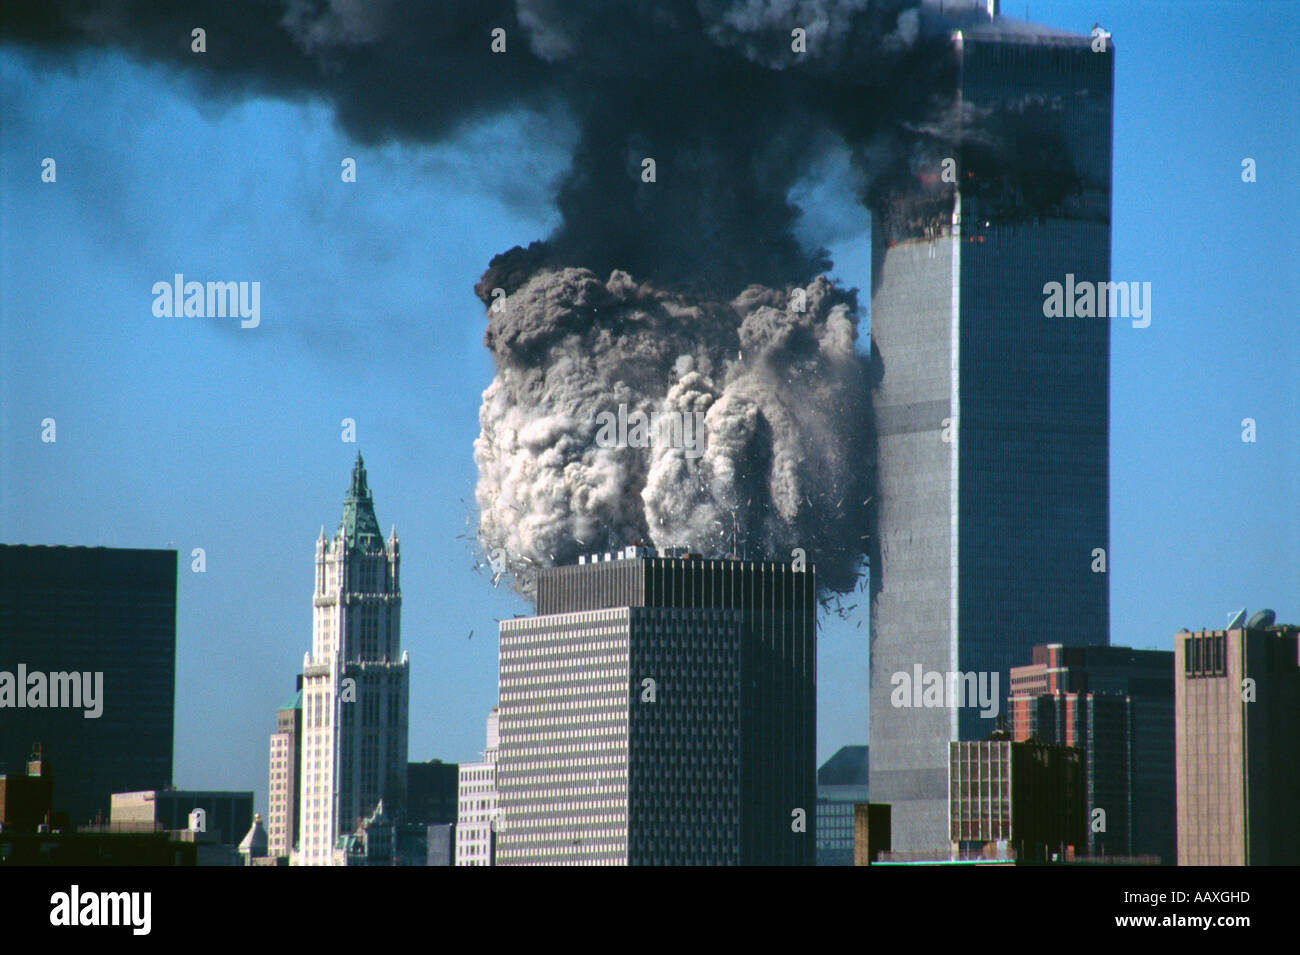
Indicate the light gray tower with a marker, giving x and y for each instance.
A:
(355, 682)
(992, 419)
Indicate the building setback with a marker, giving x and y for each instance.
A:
(356, 683)
(91, 610)
(991, 419)
(1237, 703)
(1116, 706)
(660, 711)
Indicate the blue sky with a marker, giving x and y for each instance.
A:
(195, 433)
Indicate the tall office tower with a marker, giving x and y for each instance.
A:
(1237, 700)
(478, 814)
(93, 629)
(991, 419)
(660, 711)
(1116, 706)
(285, 789)
(1018, 796)
(355, 682)
(841, 784)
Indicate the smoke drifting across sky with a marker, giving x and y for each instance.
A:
(665, 295)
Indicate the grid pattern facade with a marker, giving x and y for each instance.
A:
(678, 728)
(283, 791)
(1023, 793)
(563, 765)
(96, 610)
(992, 433)
(835, 825)
(1238, 746)
(478, 812)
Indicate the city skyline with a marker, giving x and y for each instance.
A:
(251, 464)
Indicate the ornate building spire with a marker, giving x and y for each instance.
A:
(359, 527)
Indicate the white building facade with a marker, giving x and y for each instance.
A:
(356, 682)
(476, 815)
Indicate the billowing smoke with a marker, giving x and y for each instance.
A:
(772, 376)
(670, 291)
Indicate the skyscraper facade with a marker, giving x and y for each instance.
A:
(477, 812)
(77, 618)
(1237, 700)
(991, 419)
(356, 682)
(660, 711)
(1116, 706)
(285, 789)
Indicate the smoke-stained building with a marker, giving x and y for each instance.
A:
(991, 419)
(355, 685)
(660, 711)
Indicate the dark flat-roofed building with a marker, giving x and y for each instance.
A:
(109, 615)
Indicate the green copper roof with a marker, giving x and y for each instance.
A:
(360, 527)
(294, 704)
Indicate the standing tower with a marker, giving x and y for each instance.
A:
(992, 419)
(356, 681)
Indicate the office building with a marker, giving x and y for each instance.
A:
(660, 710)
(27, 799)
(432, 792)
(1014, 800)
(1116, 706)
(991, 419)
(841, 784)
(1237, 705)
(93, 629)
(478, 814)
(356, 682)
(284, 792)
(226, 816)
